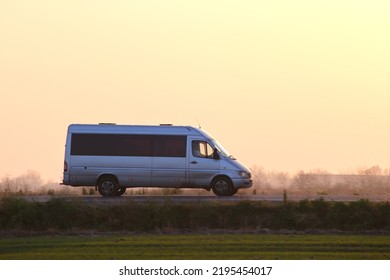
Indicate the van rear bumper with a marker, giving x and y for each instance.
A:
(66, 180)
(242, 183)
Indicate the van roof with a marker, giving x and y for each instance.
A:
(137, 129)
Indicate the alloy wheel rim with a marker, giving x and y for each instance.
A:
(108, 187)
(221, 185)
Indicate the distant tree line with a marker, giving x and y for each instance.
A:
(364, 181)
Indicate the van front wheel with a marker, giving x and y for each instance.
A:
(223, 187)
(108, 186)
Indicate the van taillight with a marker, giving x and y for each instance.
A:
(65, 166)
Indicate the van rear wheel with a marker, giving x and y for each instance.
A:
(223, 187)
(108, 187)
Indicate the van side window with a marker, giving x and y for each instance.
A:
(202, 149)
(170, 146)
(84, 144)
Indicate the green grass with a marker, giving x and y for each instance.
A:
(199, 247)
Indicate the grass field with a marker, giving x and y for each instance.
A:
(197, 247)
(58, 216)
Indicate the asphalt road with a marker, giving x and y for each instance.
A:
(97, 199)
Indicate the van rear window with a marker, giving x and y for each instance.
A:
(85, 144)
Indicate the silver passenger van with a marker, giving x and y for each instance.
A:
(115, 157)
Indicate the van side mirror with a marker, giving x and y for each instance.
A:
(216, 155)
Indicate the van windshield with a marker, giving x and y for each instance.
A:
(221, 149)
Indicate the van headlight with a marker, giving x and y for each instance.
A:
(244, 174)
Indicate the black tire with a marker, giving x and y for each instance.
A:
(222, 186)
(108, 186)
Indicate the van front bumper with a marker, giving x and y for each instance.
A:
(242, 183)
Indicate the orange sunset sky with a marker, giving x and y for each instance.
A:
(286, 85)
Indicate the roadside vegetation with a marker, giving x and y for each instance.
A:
(58, 215)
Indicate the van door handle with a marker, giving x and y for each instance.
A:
(194, 162)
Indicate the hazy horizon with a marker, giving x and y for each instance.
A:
(286, 85)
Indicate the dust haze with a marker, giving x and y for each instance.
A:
(364, 181)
